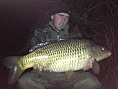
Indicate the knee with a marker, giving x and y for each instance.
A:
(95, 85)
(88, 81)
(29, 81)
(92, 82)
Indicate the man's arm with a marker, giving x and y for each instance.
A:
(37, 38)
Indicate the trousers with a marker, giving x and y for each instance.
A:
(53, 80)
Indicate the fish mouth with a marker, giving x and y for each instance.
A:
(109, 53)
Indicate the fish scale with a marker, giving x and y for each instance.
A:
(55, 55)
(60, 56)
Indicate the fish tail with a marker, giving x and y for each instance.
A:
(15, 73)
(10, 61)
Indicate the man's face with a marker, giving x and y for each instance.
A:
(59, 20)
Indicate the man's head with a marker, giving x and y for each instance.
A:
(60, 13)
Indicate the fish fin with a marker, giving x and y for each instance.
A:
(10, 61)
(69, 73)
(14, 74)
(96, 67)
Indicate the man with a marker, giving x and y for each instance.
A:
(56, 29)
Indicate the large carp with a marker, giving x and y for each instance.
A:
(61, 56)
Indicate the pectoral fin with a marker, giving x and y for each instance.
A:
(69, 74)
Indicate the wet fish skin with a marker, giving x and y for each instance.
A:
(62, 56)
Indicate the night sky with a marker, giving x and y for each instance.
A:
(17, 18)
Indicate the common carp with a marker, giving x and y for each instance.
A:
(60, 56)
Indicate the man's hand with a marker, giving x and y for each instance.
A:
(39, 68)
(89, 65)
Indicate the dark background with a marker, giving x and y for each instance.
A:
(16, 19)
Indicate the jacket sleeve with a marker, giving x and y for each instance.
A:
(37, 37)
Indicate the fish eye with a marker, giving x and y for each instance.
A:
(103, 48)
